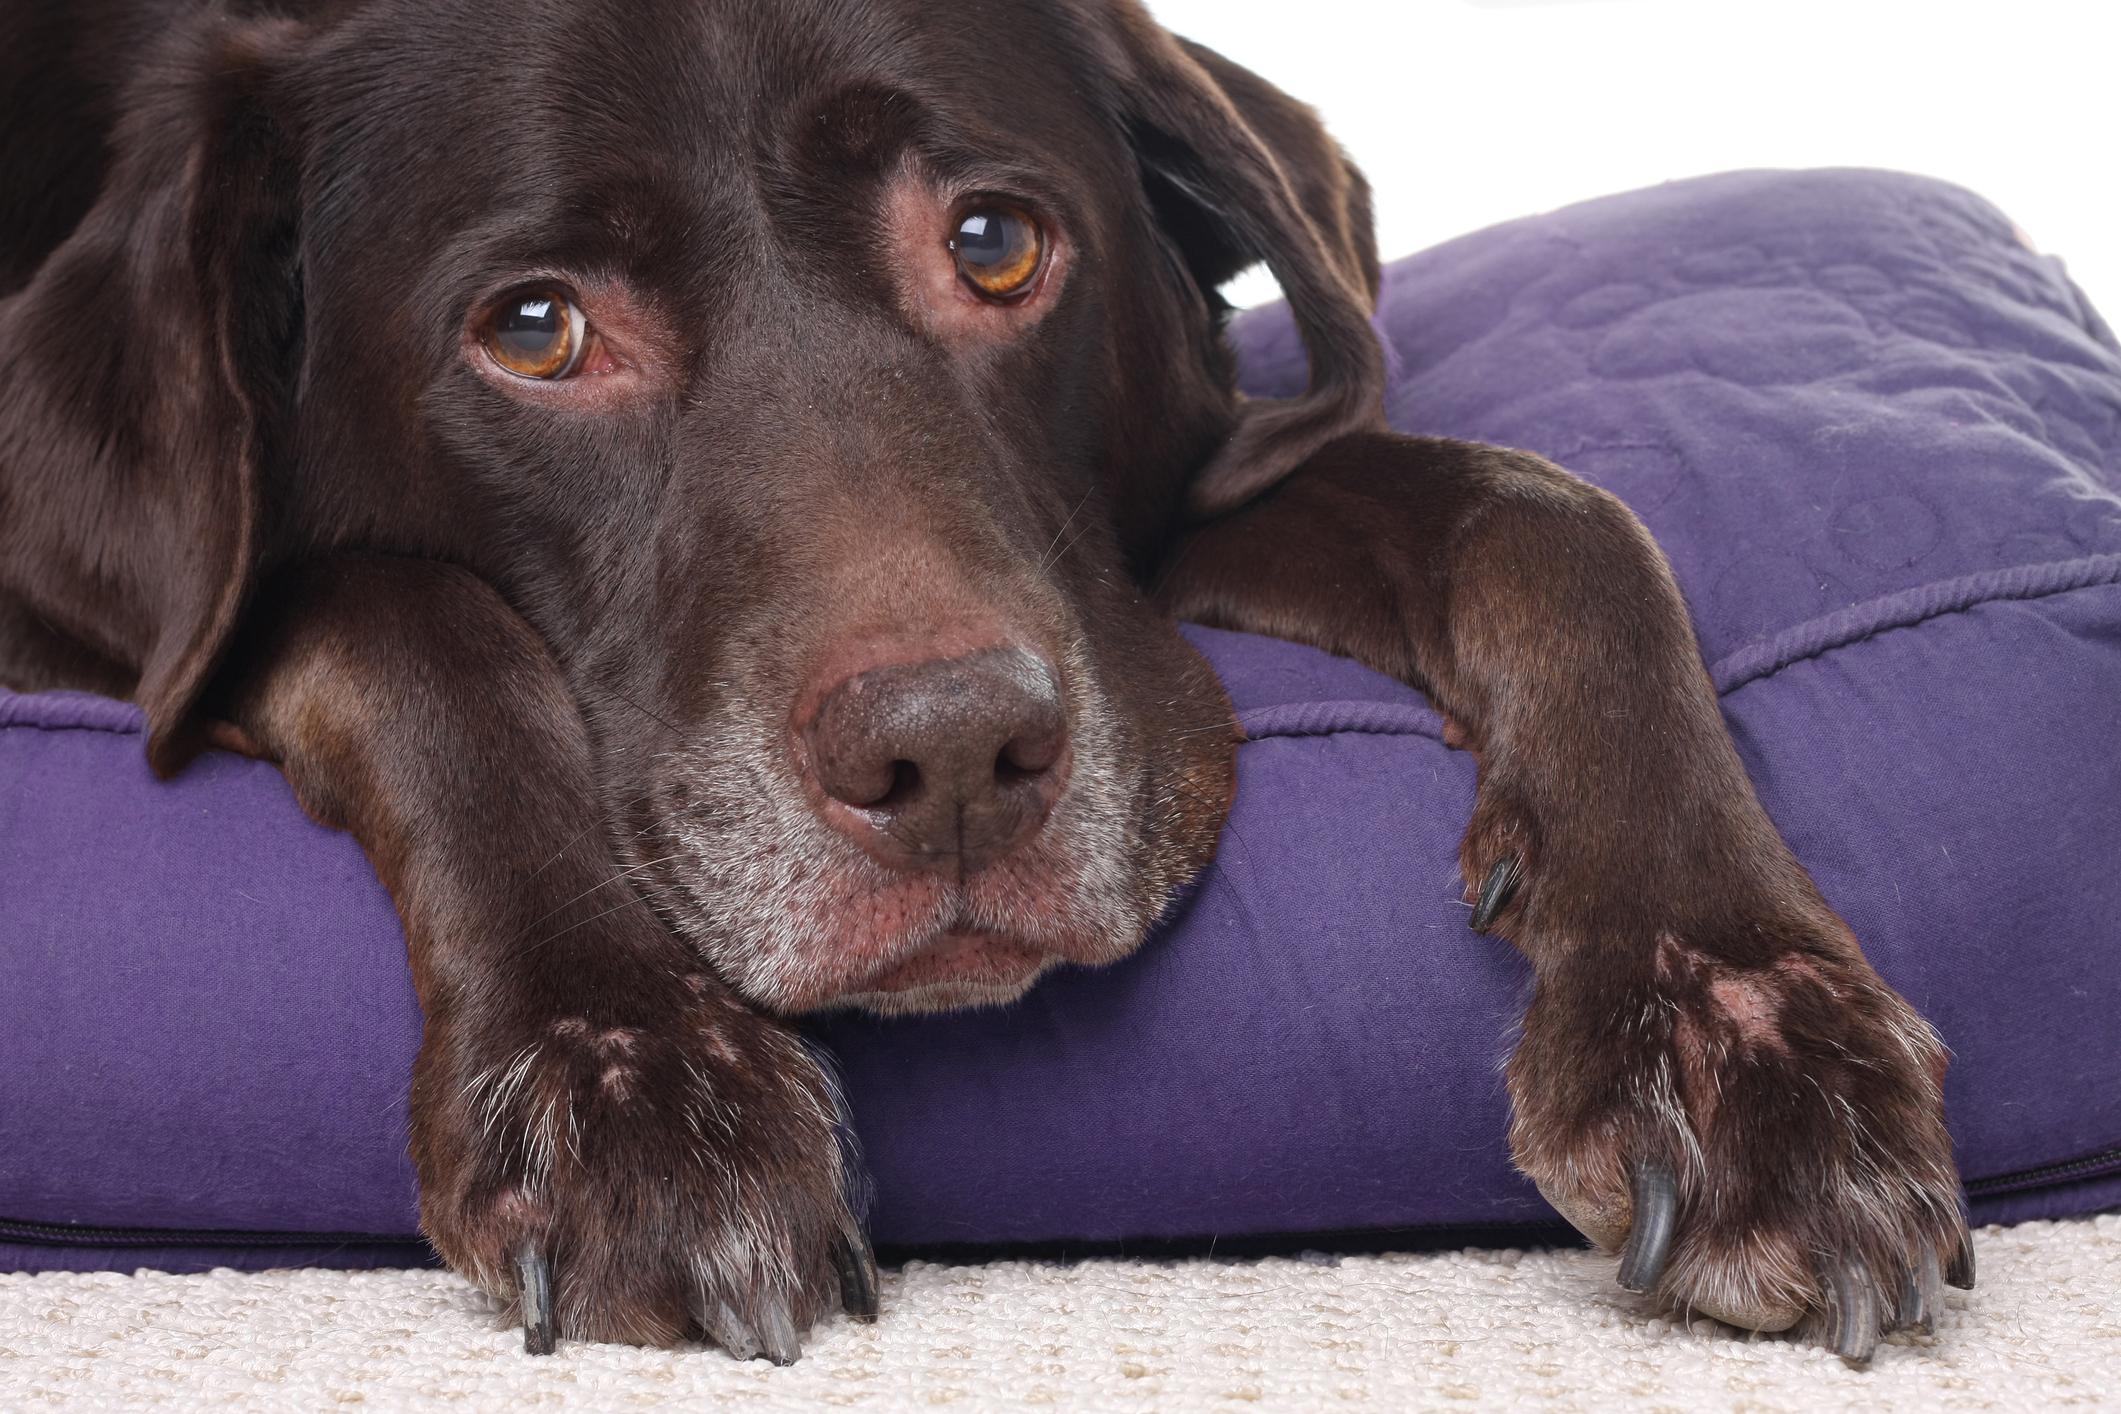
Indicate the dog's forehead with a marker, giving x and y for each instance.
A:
(702, 78)
(683, 112)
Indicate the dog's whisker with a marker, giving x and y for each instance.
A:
(552, 938)
(601, 822)
(621, 877)
(1048, 560)
(626, 698)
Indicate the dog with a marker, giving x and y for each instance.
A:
(703, 490)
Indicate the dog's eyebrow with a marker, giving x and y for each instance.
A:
(958, 167)
(879, 125)
(599, 222)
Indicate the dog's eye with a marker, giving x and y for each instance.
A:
(537, 334)
(999, 250)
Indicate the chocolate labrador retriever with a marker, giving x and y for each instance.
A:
(702, 489)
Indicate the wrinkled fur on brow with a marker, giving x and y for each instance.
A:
(541, 662)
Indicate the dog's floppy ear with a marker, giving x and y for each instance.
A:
(140, 367)
(1242, 173)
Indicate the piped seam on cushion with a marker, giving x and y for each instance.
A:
(1333, 718)
(1811, 639)
(1907, 608)
(68, 712)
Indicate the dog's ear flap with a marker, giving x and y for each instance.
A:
(1329, 189)
(144, 361)
(1242, 173)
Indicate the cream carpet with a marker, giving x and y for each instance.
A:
(1462, 1330)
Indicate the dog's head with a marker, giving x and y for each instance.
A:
(822, 379)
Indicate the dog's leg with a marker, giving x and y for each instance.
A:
(1711, 1076)
(603, 1133)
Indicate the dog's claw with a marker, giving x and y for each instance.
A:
(857, 1264)
(1650, 1239)
(1497, 892)
(1961, 1272)
(1919, 1295)
(534, 1296)
(1852, 1316)
(727, 1329)
(777, 1337)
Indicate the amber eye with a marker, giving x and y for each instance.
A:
(999, 249)
(537, 334)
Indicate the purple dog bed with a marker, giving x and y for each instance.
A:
(1880, 440)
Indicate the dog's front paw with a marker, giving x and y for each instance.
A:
(639, 1177)
(1744, 1109)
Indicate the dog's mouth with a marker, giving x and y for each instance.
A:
(926, 944)
(961, 967)
(803, 924)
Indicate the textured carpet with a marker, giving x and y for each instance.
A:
(1458, 1330)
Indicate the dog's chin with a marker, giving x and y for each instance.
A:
(962, 969)
(930, 997)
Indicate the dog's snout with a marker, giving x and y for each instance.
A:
(947, 763)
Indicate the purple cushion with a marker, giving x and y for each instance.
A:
(1880, 440)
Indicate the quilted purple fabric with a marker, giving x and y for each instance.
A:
(1880, 440)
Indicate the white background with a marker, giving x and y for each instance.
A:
(1468, 112)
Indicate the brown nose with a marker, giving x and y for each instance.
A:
(944, 764)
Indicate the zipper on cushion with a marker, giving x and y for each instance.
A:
(2068, 1171)
(2095, 1165)
(71, 1235)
